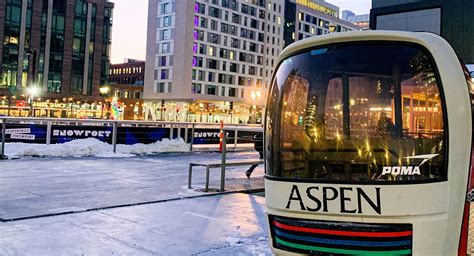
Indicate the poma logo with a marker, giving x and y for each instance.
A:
(401, 170)
(408, 170)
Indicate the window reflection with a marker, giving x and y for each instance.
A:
(357, 112)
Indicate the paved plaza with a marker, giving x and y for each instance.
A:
(139, 205)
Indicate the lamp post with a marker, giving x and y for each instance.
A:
(255, 96)
(104, 93)
(32, 91)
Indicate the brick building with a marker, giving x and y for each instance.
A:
(126, 85)
(60, 47)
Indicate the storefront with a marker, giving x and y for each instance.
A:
(203, 111)
(65, 108)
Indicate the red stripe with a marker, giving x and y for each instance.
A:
(343, 233)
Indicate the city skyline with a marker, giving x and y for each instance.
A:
(130, 25)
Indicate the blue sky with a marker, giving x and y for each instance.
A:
(130, 21)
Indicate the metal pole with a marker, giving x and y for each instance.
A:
(192, 138)
(235, 138)
(223, 156)
(186, 134)
(171, 132)
(4, 126)
(48, 133)
(114, 137)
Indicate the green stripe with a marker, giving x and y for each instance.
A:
(341, 251)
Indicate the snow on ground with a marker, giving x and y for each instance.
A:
(223, 225)
(92, 147)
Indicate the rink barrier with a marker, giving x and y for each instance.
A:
(56, 131)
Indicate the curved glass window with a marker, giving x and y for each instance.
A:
(361, 112)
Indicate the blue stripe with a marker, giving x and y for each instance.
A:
(343, 242)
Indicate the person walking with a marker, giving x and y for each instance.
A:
(258, 145)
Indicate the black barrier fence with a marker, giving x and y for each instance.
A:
(129, 135)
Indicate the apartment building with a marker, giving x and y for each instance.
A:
(207, 59)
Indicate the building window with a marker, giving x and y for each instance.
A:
(223, 53)
(166, 8)
(162, 61)
(203, 22)
(211, 89)
(214, 12)
(210, 77)
(232, 92)
(213, 38)
(236, 18)
(200, 8)
(224, 28)
(164, 74)
(166, 34)
(165, 47)
(213, 25)
(160, 87)
(201, 75)
(199, 35)
(166, 21)
(235, 43)
(202, 48)
(196, 88)
(233, 67)
(137, 95)
(212, 64)
(126, 94)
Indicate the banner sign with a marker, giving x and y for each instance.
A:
(32, 133)
(22, 136)
(27, 133)
(20, 130)
(61, 134)
(207, 136)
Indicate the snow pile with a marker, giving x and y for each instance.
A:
(165, 145)
(254, 246)
(92, 147)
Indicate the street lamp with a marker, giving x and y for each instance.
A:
(103, 92)
(255, 96)
(32, 91)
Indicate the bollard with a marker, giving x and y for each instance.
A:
(223, 156)
(114, 137)
(192, 138)
(4, 126)
(220, 135)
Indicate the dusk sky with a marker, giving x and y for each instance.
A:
(130, 21)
